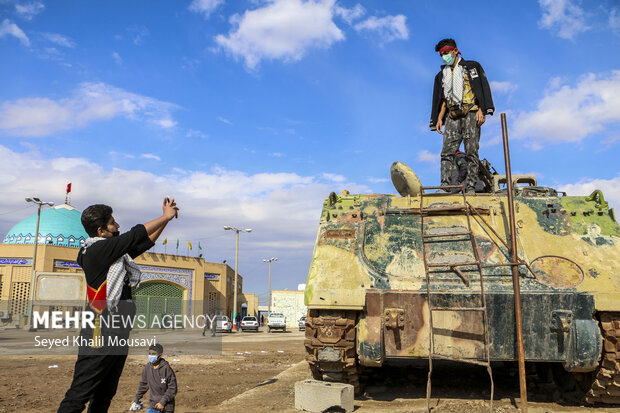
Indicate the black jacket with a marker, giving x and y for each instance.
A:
(479, 85)
(101, 255)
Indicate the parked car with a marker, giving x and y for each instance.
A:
(302, 323)
(249, 323)
(276, 321)
(223, 324)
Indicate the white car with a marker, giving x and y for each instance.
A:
(222, 323)
(249, 323)
(302, 323)
(276, 321)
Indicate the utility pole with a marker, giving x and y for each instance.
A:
(227, 228)
(270, 260)
(39, 204)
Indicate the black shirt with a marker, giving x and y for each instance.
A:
(102, 254)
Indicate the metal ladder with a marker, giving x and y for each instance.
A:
(428, 268)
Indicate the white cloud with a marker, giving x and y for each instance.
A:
(282, 208)
(609, 141)
(166, 122)
(426, 156)
(281, 29)
(29, 10)
(205, 7)
(502, 87)
(555, 82)
(350, 15)
(570, 114)
(564, 17)
(610, 188)
(8, 28)
(278, 155)
(126, 155)
(50, 52)
(91, 102)
(333, 177)
(614, 21)
(59, 39)
(192, 133)
(388, 28)
(137, 33)
(224, 120)
(150, 156)
(117, 58)
(378, 180)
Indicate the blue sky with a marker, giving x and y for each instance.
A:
(251, 112)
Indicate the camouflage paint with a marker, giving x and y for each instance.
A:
(372, 244)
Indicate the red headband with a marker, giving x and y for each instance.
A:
(447, 49)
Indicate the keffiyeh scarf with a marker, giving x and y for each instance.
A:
(123, 271)
(453, 79)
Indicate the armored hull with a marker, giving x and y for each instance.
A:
(402, 277)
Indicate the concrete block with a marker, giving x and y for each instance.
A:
(318, 396)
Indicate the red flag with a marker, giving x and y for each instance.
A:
(69, 187)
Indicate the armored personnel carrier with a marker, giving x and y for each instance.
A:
(429, 276)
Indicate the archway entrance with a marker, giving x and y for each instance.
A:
(156, 298)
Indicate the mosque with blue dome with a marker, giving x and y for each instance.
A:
(59, 225)
(170, 283)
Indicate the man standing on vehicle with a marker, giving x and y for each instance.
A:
(462, 92)
(110, 272)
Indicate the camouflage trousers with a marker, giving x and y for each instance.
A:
(464, 130)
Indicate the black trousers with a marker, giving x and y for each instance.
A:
(95, 379)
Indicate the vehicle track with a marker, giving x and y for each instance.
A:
(605, 387)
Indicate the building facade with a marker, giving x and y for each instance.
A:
(170, 284)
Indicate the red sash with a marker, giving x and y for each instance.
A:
(97, 298)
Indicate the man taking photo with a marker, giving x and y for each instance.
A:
(110, 272)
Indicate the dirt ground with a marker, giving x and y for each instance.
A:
(257, 372)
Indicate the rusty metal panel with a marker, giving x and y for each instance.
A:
(412, 338)
(339, 233)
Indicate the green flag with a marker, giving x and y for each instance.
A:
(199, 247)
(165, 241)
(177, 244)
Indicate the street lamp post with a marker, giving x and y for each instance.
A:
(227, 228)
(270, 260)
(40, 204)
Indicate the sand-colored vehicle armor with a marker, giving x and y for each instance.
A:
(399, 277)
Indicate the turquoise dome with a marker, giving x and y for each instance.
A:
(60, 225)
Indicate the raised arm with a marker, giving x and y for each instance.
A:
(155, 227)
